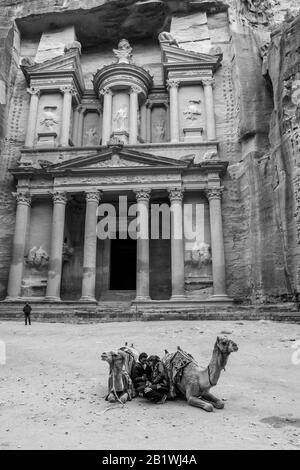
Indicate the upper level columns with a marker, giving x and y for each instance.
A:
(90, 246)
(177, 244)
(142, 270)
(209, 108)
(133, 117)
(68, 92)
(107, 115)
(32, 116)
(173, 86)
(57, 239)
(217, 243)
(17, 263)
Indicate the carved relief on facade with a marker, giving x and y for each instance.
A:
(192, 112)
(91, 128)
(199, 255)
(159, 124)
(120, 119)
(91, 137)
(37, 258)
(49, 119)
(124, 52)
(68, 250)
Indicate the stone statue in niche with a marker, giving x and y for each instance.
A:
(193, 110)
(199, 255)
(37, 258)
(124, 52)
(165, 37)
(159, 131)
(91, 136)
(120, 119)
(68, 250)
(49, 118)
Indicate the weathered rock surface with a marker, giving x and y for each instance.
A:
(257, 111)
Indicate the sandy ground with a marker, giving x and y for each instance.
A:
(53, 383)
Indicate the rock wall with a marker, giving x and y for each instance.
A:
(256, 111)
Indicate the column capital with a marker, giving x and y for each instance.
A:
(93, 196)
(68, 89)
(59, 197)
(214, 193)
(208, 81)
(33, 90)
(175, 194)
(173, 83)
(106, 91)
(23, 198)
(135, 89)
(143, 194)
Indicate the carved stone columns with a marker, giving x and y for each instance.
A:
(217, 243)
(133, 117)
(90, 246)
(209, 108)
(56, 253)
(173, 86)
(148, 120)
(17, 263)
(177, 244)
(32, 116)
(142, 270)
(107, 115)
(68, 92)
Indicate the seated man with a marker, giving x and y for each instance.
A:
(158, 387)
(141, 373)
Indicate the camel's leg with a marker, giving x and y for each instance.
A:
(124, 397)
(194, 401)
(216, 402)
(111, 398)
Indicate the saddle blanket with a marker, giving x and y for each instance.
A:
(175, 364)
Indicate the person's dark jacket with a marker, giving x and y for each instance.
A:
(139, 373)
(27, 309)
(159, 378)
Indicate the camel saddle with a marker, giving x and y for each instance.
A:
(175, 364)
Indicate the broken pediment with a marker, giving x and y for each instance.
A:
(67, 64)
(175, 58)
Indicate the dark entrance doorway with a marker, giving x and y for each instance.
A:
(123, 264)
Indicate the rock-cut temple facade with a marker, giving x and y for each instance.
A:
(182, 123)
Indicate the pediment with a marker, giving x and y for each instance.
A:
(112, 159)
(66, 63)
(172, 55)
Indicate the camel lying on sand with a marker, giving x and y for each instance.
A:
(121, 362)
(194, 383)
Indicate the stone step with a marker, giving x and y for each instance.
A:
(108, 311)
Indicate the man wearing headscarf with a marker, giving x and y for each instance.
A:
(141, 373)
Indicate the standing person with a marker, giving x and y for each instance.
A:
(141, 373)
(27, 310)
(158, 387)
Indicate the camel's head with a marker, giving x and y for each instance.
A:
(226, 345)
(114, 358)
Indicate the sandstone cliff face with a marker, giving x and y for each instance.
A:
(256, 110)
